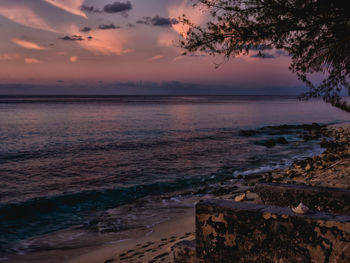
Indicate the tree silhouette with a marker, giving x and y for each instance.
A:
(315, 33)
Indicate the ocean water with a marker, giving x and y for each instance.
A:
(65, 161)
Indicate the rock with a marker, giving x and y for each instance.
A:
(282, 140)
(308, 167)
(243, 232)
(240, 198)
(247, 133)
(272, 142)
(185, 252)
(300, 209)
(267, 143)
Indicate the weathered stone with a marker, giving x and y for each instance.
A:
(229, 232)
(240, 198)
(185, 252)
(333, 200)
(308, 167)
(300, 209)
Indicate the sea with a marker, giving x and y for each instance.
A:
(73, 167)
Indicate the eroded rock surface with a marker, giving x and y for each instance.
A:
(334, 200)
(228, 231)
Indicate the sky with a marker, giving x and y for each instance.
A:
(122, 47)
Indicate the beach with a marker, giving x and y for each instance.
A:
(330, 169)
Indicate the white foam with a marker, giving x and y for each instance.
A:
(281, 165)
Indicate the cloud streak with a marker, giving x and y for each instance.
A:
(9, 56)
(27, 44)
(106, 43)
(157, 57)
(25, 16)
(70, 6)
(32, 61)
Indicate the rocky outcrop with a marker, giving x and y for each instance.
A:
(228, 231)
(185, 252)
(334, 200)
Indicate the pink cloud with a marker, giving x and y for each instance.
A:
(196, 15)
(70, 6)
(167, 39)
(9, 56)
(73, 59)
(32, 61)
(25, 16)
(27, 44)
(158, 57)
(107, 43)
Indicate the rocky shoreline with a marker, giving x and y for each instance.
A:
(329, 169)
(269, 222)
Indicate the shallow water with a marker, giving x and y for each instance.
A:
(64, 161)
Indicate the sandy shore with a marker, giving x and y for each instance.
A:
(155, 247)
(331, 168)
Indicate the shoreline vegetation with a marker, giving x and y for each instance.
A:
(329, 169)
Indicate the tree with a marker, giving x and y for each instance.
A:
(315, 33)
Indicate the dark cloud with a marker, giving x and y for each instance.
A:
(117, 7)
(73, 38)
(275, 54)
(142, 22)
(89, 37)
(158, 21)
(86, 29)
(257, 47)
(110, 26)
(262, 55)
(162, 21)
(130, 25)
(90, 9)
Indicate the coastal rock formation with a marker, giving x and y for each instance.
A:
(329, 169)
(333, 200)
(185, 252)
(228, 231)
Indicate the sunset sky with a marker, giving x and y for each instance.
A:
(121, 47)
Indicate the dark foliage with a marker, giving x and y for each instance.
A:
(315, 33)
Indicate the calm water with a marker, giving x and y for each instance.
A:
(63, 160)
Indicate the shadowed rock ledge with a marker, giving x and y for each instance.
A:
(228, 231)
